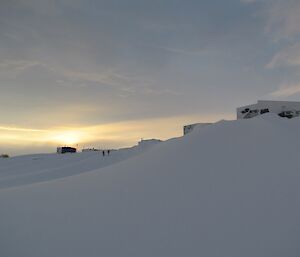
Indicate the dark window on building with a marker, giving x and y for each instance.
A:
(262, 111)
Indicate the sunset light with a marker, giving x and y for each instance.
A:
(156, 128)
(111, 135)
(68, 137)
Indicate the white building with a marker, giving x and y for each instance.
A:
(85, 150)
(189, 128)
(282, 108)
(148, 142)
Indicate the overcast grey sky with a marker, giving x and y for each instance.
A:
(82, 63)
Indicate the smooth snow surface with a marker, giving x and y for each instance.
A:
(227, 190)
(36, 168)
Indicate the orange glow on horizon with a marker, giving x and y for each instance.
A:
(67, 137)
(116, 135)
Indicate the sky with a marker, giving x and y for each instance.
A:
(106, 73)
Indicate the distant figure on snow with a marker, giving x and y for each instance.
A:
(108, 152)
(103, 153)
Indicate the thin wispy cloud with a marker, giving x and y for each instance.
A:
(8, 128)
(82, 62)
(182, 51)
(286, 91)
(284, 18)
(289, 56)
(106, 78)
(17, 65)
(249, 1)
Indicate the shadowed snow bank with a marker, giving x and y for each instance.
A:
(226, 190)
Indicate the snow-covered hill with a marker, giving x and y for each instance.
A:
(29, 169)
(227, 190)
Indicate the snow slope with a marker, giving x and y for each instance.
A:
(226, 190)
(29, 169)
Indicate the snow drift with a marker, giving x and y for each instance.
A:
(29, 169)
(226, 190)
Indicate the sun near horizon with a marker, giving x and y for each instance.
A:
(107, 73)
(115, 135)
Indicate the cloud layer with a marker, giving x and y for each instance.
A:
(90, 63)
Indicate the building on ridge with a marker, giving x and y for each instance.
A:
(189, 128)
(66, 149)
(285, 109)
